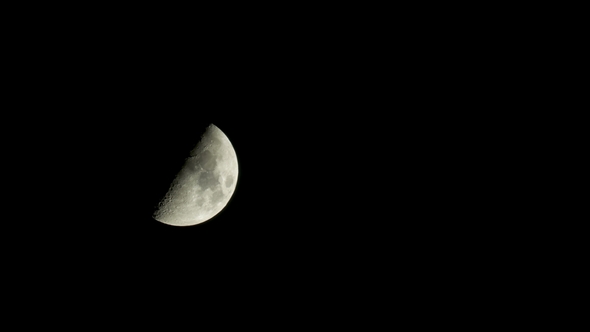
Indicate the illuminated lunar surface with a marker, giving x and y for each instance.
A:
(204, 185)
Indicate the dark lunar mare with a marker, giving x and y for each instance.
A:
(208, 179)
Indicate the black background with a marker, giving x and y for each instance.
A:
(351, 175)
(114, 112)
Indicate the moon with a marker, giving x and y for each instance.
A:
(205, 183)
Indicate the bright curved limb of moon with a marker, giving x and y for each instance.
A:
(204, 185)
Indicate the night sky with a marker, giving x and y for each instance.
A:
(315, 146)
(348, 163)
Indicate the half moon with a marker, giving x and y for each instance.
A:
(205, 183)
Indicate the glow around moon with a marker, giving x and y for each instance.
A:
(204, 185)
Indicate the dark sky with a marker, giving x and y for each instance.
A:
(307, 187)
(316, 149)
(343, 165)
